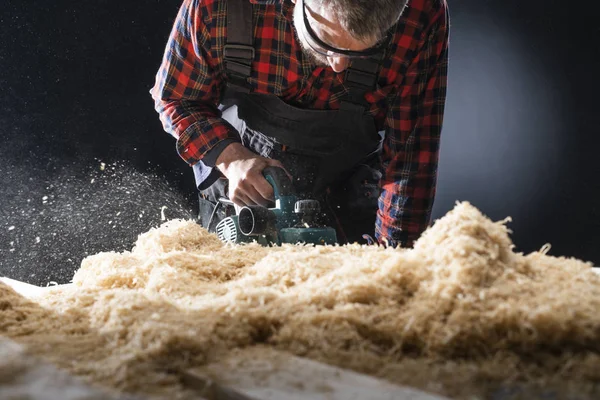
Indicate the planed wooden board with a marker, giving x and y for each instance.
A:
(28, 290)
(23, 376)
(24, 289)
(262, 373)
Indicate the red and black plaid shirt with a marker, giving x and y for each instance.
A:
(408, 104)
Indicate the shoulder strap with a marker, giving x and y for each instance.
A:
(239, 48)
(361, 77)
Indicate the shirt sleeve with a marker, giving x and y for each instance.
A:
(187, 90)
(411, 146)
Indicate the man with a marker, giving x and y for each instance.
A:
(311, 86)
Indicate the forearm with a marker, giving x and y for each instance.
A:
(405, 204)
(187, 88)
(411, 147)
(200, 131)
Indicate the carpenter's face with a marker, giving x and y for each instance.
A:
(324, 40)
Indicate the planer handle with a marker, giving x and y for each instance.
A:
(281, 182)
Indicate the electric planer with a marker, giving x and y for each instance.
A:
(291, 220)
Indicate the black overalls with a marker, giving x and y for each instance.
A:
(332, 155)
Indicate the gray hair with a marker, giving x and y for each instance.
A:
(364, 19)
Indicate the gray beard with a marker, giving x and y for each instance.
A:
(315, 58)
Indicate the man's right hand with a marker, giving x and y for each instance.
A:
(244, 170)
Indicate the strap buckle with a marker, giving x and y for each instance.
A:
(238, 64)
(358, 77)
(239, 51)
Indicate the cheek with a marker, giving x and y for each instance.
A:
(306, 49)
(317, 59)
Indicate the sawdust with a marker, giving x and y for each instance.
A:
(461, 314)
(48, 227)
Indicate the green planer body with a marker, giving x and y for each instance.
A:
(290, 221)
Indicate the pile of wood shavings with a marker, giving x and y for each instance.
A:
(461, 314)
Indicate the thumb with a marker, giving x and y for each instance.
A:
(277, 163)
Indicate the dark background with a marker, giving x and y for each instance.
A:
(85, 166)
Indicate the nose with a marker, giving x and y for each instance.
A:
(338, 64)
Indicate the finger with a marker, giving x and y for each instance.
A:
(256, 197)
(263, 188)
(277, 163)
(239, 198)
(251, 193)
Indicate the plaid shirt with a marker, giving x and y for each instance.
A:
(408, 103)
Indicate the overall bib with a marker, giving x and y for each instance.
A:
(333, 155)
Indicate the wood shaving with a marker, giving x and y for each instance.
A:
(461, 314)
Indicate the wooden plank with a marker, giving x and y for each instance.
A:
(23, 376)
(262, 373)
(209, 389)
(26, 289)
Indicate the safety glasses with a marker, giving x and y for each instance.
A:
(323, 48)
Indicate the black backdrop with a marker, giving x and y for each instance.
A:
(85, 166)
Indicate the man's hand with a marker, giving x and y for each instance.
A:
(243, 169)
